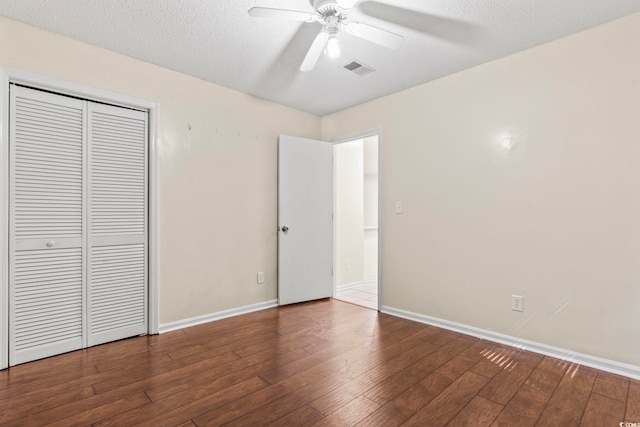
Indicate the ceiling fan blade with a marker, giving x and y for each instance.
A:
(347, 4)
(293, 15)
(451, 29)
(314, 51)
(375, 35)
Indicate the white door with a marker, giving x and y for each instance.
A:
(46, 257)
(117, 258)
(305, 211)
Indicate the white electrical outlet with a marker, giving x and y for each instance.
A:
(260, 277)
(517, 302)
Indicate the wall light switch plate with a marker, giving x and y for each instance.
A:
(260, 277)
(517, 302)
(399, 208)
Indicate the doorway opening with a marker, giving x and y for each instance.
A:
(356, 221)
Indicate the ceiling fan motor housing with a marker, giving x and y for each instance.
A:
(328, 8)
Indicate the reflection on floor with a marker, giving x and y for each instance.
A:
(365, 295)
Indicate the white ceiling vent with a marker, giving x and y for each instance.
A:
(359, 68)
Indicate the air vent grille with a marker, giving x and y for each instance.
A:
(359, 68)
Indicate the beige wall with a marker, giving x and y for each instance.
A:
(217, 169)
(556, 218)
(349, 212)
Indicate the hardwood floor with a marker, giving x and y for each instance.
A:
(321, 363)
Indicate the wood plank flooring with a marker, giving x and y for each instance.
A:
(324, 363)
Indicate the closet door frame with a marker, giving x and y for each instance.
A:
(8, 76)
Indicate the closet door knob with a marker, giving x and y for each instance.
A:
(285, 228)
(51, 244)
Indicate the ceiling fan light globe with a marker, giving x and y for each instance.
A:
(333, 47)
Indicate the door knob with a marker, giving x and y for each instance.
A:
(285, 228)
(51, 244)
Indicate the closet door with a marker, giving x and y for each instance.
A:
(46, 261)
(117, 271)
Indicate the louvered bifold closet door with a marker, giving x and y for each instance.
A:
(46, 225)
(117, 223)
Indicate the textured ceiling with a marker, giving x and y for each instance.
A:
(217, 41)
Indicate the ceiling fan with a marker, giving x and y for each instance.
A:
(333, 15)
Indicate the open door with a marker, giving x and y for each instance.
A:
(305, 223)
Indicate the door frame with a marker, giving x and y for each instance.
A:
(10, 75)
(352, 137)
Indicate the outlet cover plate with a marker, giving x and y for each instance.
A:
(517, 302)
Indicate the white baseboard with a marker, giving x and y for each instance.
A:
(198, 320)
(607, 365)
(354, 284)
